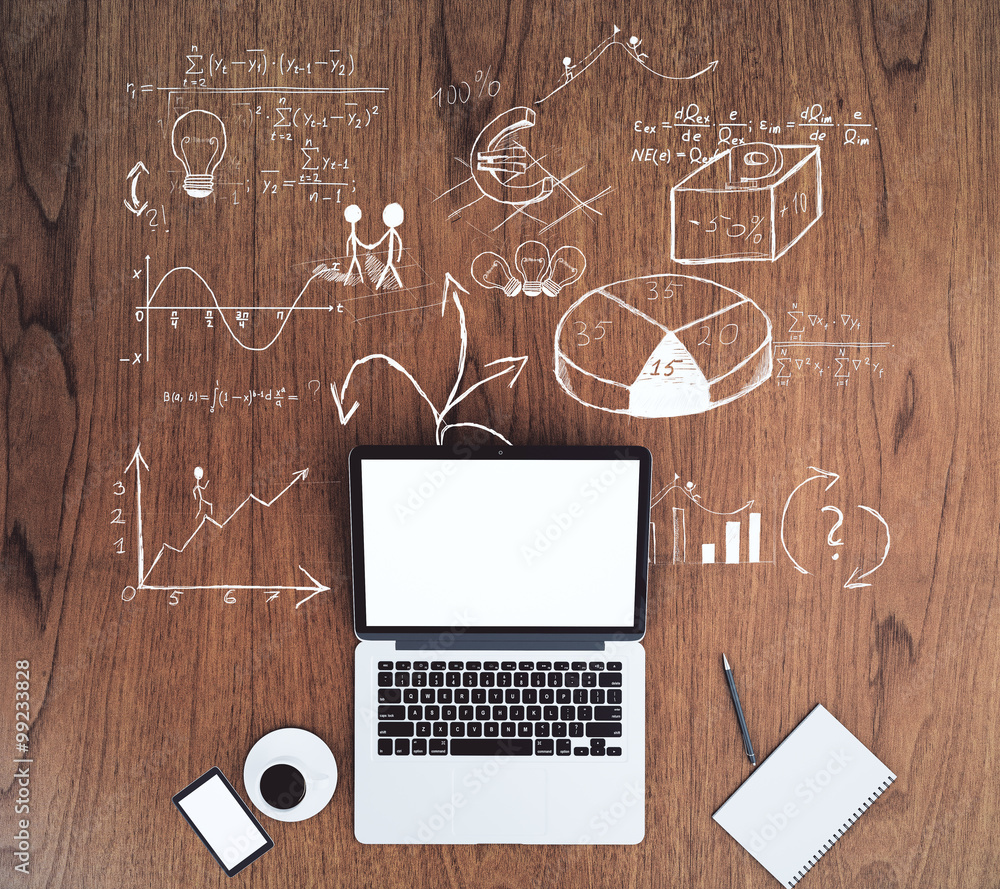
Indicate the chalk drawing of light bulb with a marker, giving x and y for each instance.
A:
(198, 140)
(491, 271)
(532, 262)
(567, 267)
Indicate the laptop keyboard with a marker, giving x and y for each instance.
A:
(499, 708)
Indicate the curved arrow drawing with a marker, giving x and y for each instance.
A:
(819, 473)
(133, 178)
(855, 582)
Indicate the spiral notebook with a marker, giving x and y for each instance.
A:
(804, 796)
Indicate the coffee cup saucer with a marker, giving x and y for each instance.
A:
(303, 751)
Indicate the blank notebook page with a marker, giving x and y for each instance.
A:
(804, 796)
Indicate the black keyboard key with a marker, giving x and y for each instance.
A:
(420, 665)
(389, 696)
(470, 680)
(596, 665)
(527, 666)
(541, 729)
(597, 696)
(388, 711)
(439, 746)
(410, 696)
(521, 680)
(440, 730)
(529, 696)
(508, 665)
(395, 729)
(507, 730)
(579, 665)
(385, 665)
(615, 665)
(516, 712)
(456, 665)
(465, 713)
(461, 696)
(563, 696)
(479, 696)
(605, 714)
(486, 680)
(415, 713)
(524, 729)
(580, 696)
(546, 696)
(384, 680)
(491, 729)
(505, 680)
(432, 712)
(564, 747)
(482, 712)
(402, 680)
(500, 712)
(453, 680)
(585, 713)
(576, 729)
(402, 665)
(474, 665)
(512, 696)
(590, 680)
(492, 665)
(438, 665)
(611, 680)
(538, 680)
(544, 747)
(597, 746)
(449, 712)
(495, 696)
(436, 680)
(427, 696)
(423, 729)
(581, 751)
(444, 695)
(402, 746)
(561, 665)
(418, 746)
(419, 680)
(558, 729)
(614, 695)
(571, 680)
(613, 751)
(385, 746)
(457, 729)
(555, 680)
(567, 713)
(474, 730)
(543, 665)
(604, 729)
(491, 747)
(550, 713)
(534, 713)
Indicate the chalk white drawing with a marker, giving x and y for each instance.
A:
(511, 365)
(631, 49)
(536, 270)
(133, 205)
(352, 214)
(198, 140)
(833, 539)
(752, 202)
(199, 491)
(312, 588)
(662, 346)
(505, 171)
(392, 216)
(734, 552)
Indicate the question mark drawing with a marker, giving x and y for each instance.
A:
(833, 530)
(314, 391)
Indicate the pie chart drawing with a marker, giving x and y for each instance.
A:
(662, 346)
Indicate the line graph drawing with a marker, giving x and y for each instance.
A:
(505, 171)
(833, 539)
(572, 73)
(510, 365)
(312, 588)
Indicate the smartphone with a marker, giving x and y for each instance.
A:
(222, 821)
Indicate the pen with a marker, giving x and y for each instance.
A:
(739, 712)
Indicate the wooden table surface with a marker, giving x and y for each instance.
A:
(171, 354)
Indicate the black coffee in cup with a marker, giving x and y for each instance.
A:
(282, 786)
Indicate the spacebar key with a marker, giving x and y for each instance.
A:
(492, 746)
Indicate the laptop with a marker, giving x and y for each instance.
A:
(499, 596)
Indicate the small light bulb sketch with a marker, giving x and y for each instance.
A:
(198, 140)
(491, 271)
(199, 492)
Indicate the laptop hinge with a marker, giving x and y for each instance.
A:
(519, 643)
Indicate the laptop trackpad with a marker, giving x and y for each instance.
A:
(498, 801)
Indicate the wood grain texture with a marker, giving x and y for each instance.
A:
(131, 700)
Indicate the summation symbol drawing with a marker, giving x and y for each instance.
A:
(572, 73)
(803, 501)
(512, 365)
(538, 271)
(310, 586)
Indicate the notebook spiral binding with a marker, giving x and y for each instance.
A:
(839, 833)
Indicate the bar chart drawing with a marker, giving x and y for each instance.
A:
(735, 540)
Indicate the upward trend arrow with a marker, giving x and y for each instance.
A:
(137, 459)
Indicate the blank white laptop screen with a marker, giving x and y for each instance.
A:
(488, 543)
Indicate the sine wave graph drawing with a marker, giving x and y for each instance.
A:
(312, 588)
